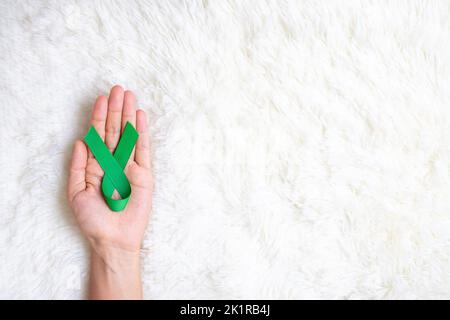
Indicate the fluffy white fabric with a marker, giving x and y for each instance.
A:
(301, 148)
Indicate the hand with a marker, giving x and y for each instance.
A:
(115, 237)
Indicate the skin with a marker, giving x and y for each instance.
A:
(115, 238)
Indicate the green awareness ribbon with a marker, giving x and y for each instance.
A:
(113, 165)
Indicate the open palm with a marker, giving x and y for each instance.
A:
(123, 229)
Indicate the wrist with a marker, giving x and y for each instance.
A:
(114, 256)
(115, 273)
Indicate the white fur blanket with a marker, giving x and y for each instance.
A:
(301, 148)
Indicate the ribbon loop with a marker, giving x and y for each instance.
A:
(113, 165)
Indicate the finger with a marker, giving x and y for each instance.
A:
(142, 156)
(114, 117)
(129, 112)
(98, 118)
(77, 171)
(129, 109)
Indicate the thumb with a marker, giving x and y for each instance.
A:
(77, 171)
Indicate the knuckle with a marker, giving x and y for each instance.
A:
(144, 145)
(112, 130)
